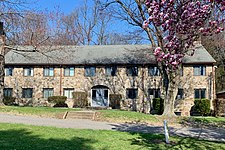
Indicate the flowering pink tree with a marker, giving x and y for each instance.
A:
(177, 24)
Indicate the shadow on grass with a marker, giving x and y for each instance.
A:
(24, 140)
(187, 138)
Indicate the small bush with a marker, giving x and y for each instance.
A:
(115, 100)
(158, 105)
(58, 100)
(80, 99)
(202, 106)
(9, 100)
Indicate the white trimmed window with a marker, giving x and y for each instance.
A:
(8, 71)
(48, 71)
(68, 92)
(28, 71)
(47, 92)
(69, 71)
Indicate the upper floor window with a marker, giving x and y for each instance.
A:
(110, 70)
(8, 71)
(68, 92)
(7, 92)
(89, 71)
(200, 70)
(47, 92)
(154, 93)
(200, 93)
(27, 93)
(48, 71)
(153, 71)
(132, 71)
(69, 71)
(28, 71)
(132, 93)
(180, 94)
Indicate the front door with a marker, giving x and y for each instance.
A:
(99, 97)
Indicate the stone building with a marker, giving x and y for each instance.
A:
(129, 70)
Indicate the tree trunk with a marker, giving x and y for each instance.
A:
(170, 95)
(2, 62)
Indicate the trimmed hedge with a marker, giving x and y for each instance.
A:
(9, 100)
(58, 100)
(80, 99)
(158, 105)
(115, 100)
(202, 106)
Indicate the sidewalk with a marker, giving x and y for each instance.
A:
(203, 133)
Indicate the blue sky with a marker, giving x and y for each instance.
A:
(65, 6)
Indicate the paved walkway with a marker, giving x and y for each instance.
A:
(206, 133)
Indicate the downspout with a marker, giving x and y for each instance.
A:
(60, 81)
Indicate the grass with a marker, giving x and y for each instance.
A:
(26, 137)
(204, 121)
(34, 111)
(116, 116)
(127, 116)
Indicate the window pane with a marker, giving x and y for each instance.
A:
(71, 71)
(132, 93)
(197, 94)
(202, 93)
(51, 71)
(27, 93)
(7, 92)
(66, 72)
(8, 71)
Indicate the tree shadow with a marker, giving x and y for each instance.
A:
(180, 138)
(23, 139)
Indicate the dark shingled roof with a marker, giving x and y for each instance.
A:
(90, 55)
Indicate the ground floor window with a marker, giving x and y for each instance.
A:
(68, 92)
(27, 93)
(7, 92)
(154, 93)
(180, 94)
(132, 93)
(200, 93)
(47, 92)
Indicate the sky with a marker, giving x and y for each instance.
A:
(65, 6)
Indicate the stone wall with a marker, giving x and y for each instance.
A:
(116, 84)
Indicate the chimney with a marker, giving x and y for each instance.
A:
(1, 29)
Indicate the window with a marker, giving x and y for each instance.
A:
(180, 94)
(27, 93)
(7, 92)
(199, 70)
(90, 71)
(8, 71)
(47, 92)
(153, 71)
(132, 93)
(48, 71)
(68, 93)
(69, 71)
(28, 71)
(110, 71)
(200, 93)
(154, 93)
(132, 71)
(181, 71)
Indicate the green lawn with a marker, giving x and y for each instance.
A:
(205, 121)
(127, 116)
(34, 111)
(26, 137)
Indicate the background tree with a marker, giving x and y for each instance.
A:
(172, 26)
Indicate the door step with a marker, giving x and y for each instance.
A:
(79, 115)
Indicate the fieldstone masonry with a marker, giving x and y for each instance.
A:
(116, 85)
